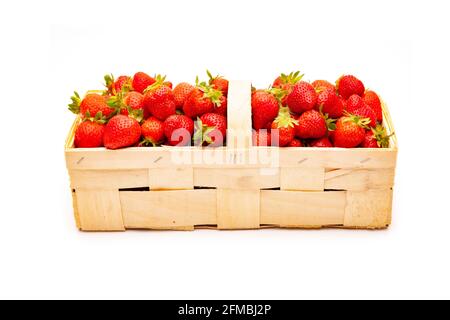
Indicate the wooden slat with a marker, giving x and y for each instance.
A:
(338, 158)
(238, 209)
(368, 209)
(169, 210)
(302, 179)
(302, 209)
(171, 178)
(359, 179)
(109, 179)
(242, 179)
(239, 132)
(75, 210)
(99, 210)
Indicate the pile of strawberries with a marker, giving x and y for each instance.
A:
(146, 111)
(296, 113)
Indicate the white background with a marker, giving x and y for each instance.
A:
(50, 48)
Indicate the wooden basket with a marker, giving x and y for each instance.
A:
(234, 187)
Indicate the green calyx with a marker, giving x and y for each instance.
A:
(211, 77)
(136, 114)
(209, 92)
(284, 119)
(360, 121)
(98, 118)
(380, 135)
(149, 143)
(278, 93)
(76, 102)
(331, 123)
(109, 83)
(159, 81)
(202, 133)
(291, 78)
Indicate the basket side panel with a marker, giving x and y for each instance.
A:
(238, 209)
(296, 209)
(99, 210)
(169, 210)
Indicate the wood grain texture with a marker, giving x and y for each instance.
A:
(241, 179)
(239, 133)
(302, 179)
(238, 209)
(302, 209)
(169, 210)
(370, 209)
(171, 178)
(99, 210)
(359, 179)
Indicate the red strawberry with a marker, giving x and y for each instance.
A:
(152, 131)
(367, 112)
(203, 99)
(285, 125)
(311, 125)
(265, 109)
(319, 84)
(114, 86)
(321, 143)
(142, 81)
(210, 129)
(350, 131)
(218, 83)
(181, 93)
(295, 143)
(89, 134)
(159, 100)
(354, 103)
(349, 85)
(376, 138)
(302, 98)
(178, 130)
(261, 138)
(329, 103)
(121, 131)
(90, 106)
(222, 109)
(168, 84)
(285, 81)
(133, 100)
(373, 101)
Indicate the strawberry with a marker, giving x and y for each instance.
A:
(121, 131)
(321, 143)
(376, 138)
(152, 131)
(159, 100)
(178, 130)
(261, 138)
(133, 100)
(218, 83)
(210, 129)
(142, 81)
(91, 105)
(349, 85)
(203, 99)
(222, 107)
(295, 143)
(302, 98)
(373, 101)
(168, 84)
(367, 112)
(311, 125)
(123, 83)
(329, 103)
(89, 134)
(320, 84)
(181, 93)
(285, 125)
(350, 131)
(285, 81)
(265, 109)
(354, 102)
